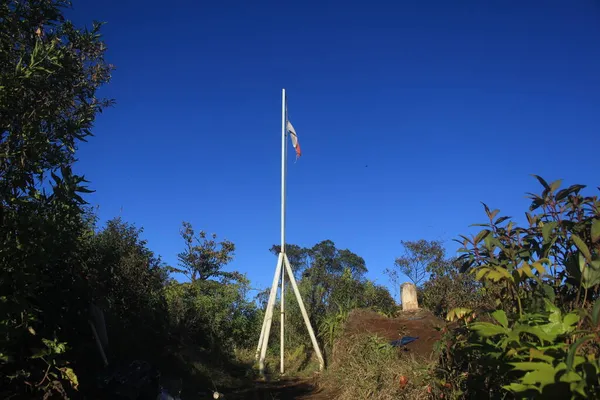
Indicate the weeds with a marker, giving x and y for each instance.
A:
(365, 366)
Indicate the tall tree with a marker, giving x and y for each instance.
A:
(332, 282)
(203, 257)
(420, 258)
(49, 74)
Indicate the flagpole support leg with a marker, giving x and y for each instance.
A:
(264, 340)
(311, 332)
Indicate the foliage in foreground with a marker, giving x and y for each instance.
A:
(543, 338)
(49, 74)
(59, 273)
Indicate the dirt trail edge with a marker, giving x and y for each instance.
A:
(288, 388)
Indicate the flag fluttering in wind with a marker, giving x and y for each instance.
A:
(294, 138)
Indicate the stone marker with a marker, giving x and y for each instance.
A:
(409, 296)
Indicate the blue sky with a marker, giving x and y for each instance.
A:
(409, 114)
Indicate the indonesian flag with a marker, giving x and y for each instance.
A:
(294, 138)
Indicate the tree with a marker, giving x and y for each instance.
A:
(212, 308)
(49, 74)
(203, 258)
(323, 256)
(447, 288)
(126, 281)
(420, 258)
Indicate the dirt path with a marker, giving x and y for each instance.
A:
(300, 389)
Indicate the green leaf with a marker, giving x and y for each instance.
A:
(570, 377)
(517, 387)
(539, 373)
(457, 313)
(590, 272)
(542, 181)
(487, 209)
(538, 332)
(549, 292)
(501, 220)
(547, 229)
(581, 246)
(579, 387)
(481, 272)
(481, 235)
(494, 213)
(500, 316)
(541, 377)
(555, 185)
(596, 312)
(526, 269)
(539, 355)
(570, 319)
(562, 194)
(595, 230)
(485, 329)
(70, 375)
(539, 265)
(55, 346)
(551, 308)
(573, 350)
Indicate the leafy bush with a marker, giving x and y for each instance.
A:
(542, 340)
(448, 288)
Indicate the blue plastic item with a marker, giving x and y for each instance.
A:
(403, 341)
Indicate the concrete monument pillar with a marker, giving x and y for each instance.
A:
(408, 292)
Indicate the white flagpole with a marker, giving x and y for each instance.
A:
(283, 264)
(283, 187)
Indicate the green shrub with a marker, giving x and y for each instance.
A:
(542, 340)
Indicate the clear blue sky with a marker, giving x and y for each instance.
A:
(409, 114)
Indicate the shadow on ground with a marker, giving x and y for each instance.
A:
(284, 389)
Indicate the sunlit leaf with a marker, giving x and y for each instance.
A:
(500, 316)
(581, 246)
(70, 375)
(518, 387)
(457, 313)
(547, 229)
(555, 185)
(486, 329)
(480, 236)
(595, 230)
(570, 319)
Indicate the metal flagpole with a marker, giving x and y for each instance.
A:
(280, 270)
(283, 193)
(283, 264)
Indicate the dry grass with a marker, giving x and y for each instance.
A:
(300, 362)
(366, 367)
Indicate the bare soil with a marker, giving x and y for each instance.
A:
(301, 389)
(419, 323)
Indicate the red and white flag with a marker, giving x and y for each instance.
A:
(294, 138)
